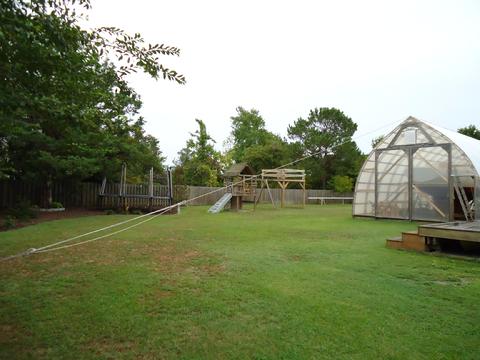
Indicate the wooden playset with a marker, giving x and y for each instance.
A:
(283, 177)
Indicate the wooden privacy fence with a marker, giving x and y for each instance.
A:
(69, 194)
(83, 195)
(292, 196)
(194, 191)
(86, 195)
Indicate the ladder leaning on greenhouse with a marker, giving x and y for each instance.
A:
(467, 208)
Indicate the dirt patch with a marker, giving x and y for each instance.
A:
(213, 268)
(452, 282)
(152, 297)
(109, 347)
(172, 260)
(169, 259)
(49, 216)
(297, 258)
(165, 256)
(12, 334)
(8, 334)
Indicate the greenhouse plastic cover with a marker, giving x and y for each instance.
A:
(469, 145)
(389, 194)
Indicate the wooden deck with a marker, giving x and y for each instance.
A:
(456, 230)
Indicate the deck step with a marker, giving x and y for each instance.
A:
(396, 238)
(409, 240)
(395, 242)
(413, 241)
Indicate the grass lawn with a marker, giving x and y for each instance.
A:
(290, 284)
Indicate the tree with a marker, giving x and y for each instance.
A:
(254, 144)
(272, 154)
(326, 138)
(66, 111)
(377, 141)
(248, 129)
(471, 131)
(199, 163)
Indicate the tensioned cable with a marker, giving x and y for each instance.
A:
(106, 235)
(156, 213)
(342, 143)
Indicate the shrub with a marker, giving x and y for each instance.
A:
(109, 212)
(342, 183)
(9, 222)
(22, 211)
(56, 205)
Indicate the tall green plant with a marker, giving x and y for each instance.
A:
(66, 110)
(254, 144)
(199, 163)
(326, 137)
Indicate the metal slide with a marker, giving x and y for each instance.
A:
(220, 204)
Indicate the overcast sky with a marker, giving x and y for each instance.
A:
(377, 61)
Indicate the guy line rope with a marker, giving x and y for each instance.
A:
(56, 246)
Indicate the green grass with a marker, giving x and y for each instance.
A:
(288, 284)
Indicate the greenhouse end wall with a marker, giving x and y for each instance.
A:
(411, 174)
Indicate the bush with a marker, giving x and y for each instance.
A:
(109, 212)
(9, 222)
(22, 211)
(56, 205)
(342, 183)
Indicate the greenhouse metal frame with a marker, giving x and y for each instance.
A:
(420, 172)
